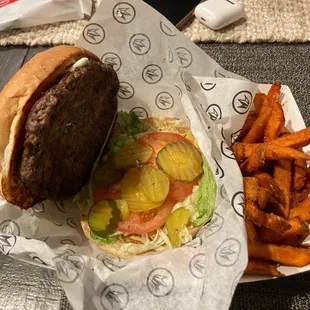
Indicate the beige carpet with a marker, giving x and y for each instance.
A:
(266, 20)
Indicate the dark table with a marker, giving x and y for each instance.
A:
(26, 287)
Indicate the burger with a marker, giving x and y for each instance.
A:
(56, 114)
(151, 190)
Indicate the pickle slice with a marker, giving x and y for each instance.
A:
(133, 193)
(175, 222)
(154, 183)
(103, 217)
(122, 206)
(131, 154)
(180, 161)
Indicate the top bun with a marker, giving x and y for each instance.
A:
(16, 101)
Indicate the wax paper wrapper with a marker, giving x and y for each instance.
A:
(161, 73)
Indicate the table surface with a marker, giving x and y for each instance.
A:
(24, 286)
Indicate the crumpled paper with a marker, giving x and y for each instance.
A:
(161, 73)
(24, 13)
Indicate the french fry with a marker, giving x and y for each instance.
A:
(271, 151)
(305, 191)
(256, 132)
(282, 174)
(273, 94)
(298, 228)
(252, 116)
(300, 171)
(276, 207)
(260, 267)
(302, 210)
(253, 163)
(251, 231)
(265, 180)
(250, 186)
(261, 218)
(294, 140)
(259, 101)
(275, 124)
(286, 255)
(284, 131)
(262, 197)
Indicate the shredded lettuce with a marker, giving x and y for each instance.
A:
(133, 127)
(207, 196)
(158, 243)
(108, 239)
(132, 123)
(201, 202)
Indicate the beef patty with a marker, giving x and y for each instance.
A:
(66, 129)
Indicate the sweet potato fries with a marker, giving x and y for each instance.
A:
(276, 187)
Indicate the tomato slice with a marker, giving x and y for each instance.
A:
(134, 224)
(180, 190)
(112, 192)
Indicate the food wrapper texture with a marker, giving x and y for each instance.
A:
(161, 73)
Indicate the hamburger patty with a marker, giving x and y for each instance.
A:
(66, 129)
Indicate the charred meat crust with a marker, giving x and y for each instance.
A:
(66, 129)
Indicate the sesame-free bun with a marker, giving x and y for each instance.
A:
(16, 100)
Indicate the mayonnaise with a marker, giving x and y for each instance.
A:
(80, 63)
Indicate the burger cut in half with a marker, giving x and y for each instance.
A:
(56, 113)
(151, 190)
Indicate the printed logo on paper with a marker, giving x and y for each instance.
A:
(38, 260)
(219, 170)
(114, 297)
(44, 239)
(214, 225)
(60, 206)
(9, 227)
(219, 74)
(226, 151)
(38, 208)
(235, 135)
(7, 242)
(152, 74)
(185, 57)
(167, 30)
(140, 44)
(160, 282)
(164, 101)
(223, 193)
(195, 243)
(69, 267)
(126, 91)
(187, 86)
(93, 33)
(197, 265)
(112, 59)
(207, 86)
(140, 112)
(124, 13)
(170, 55)
(71, 222)
(242, 101)
(228, 252)
(237, 203)
(179, 91)
(214, 112)
(111, 262)
(67, 241)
